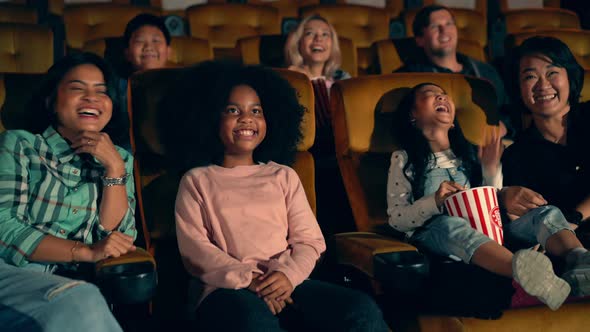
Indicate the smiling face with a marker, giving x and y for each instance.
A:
(440, 36)
(433, 108)
(315, 44)
(242, 126)
(82, 103)
(147, 48)
(544, 87)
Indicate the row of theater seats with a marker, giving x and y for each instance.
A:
(222, 25)
(291, 8)
(28, 48)
(362, 109)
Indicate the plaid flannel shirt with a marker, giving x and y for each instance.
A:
(45, 188)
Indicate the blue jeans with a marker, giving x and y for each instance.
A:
(31, 300)
(452, 236)
(318, 306)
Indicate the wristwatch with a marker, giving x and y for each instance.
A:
(120, 181)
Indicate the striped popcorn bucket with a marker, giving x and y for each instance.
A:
(479, 206)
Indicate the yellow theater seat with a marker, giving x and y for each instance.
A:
(156, 189)
(508, 5)
(470, 24)
(577, 40)
(391, 54)
(17, 13)
(189, 50)
(147, 89)
(480, 6)
(585, 94)
(87, 22)
(363, 25)
(25, 48)
(286, 8)
(269, 51)
(522, 20)
(362, 110)
(129, 278)
(224, 24)
(185, 50)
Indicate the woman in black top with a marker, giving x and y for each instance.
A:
(551, 156)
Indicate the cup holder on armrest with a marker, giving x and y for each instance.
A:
(404, 271)
(129, 279)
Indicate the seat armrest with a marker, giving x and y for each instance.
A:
(127, 279)
(358, 249)
(395, 264)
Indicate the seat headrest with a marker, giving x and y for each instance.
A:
(364, 108)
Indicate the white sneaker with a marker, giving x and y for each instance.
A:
(534, 272)
(578, 274)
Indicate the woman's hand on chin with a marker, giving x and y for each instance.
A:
(100, 146)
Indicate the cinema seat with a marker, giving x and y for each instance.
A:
(157, 188)
(224, 24)
(25, 48)
(129, 279)
(17, 13)
(269, 51)
(480, 6)
(362, 24)
(470, 25)
(185, 50)
(508, 5)
(87, 22)
(391, 54)
(286, 8)
(577, 40)
(522, 20)
(362, 109)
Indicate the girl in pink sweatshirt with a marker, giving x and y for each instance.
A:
(245, 228)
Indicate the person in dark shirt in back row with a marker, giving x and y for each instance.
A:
(436, 33)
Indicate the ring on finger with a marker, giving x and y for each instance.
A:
(88, 142)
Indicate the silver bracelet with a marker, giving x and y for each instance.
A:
(120, 181)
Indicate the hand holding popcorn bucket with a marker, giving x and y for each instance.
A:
(479, 206)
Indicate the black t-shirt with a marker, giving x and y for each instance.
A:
(560, 173)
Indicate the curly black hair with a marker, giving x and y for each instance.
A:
(412, 140)
(190, 115)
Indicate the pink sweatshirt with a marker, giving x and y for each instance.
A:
(231, 222)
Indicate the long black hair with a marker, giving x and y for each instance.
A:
(41, 106)
(189, 127)
(412, 140)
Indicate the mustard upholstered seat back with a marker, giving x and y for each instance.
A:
(362, 110)
(25, 48)
(87, 22)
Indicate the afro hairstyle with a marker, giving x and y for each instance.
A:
(190, 114)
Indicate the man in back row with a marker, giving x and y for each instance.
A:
(436, 33)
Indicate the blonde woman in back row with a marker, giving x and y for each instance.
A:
(313, 49)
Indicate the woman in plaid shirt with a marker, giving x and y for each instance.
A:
(64, 198)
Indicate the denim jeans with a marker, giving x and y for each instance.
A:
(33, 300)
(318, 306)
(454, 237)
